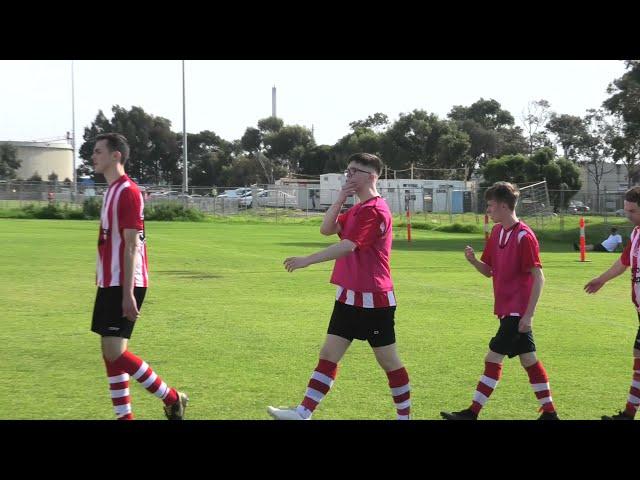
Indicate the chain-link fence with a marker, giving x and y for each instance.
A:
(440, 201)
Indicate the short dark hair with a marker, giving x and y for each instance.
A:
(503, 192)
(633, 195)
(116, 143)
(367, 160)
(614, 229)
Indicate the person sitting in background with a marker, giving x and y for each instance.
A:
(609, 245)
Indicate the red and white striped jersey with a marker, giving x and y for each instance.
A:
(366, 299)
(122, 208)
(629, 257)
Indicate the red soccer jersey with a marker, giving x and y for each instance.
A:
(629, 257)
(122, 208)
(364, 276)
(512, 254)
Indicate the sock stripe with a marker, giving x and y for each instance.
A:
(141, 370)
(480, 398)
(395, 391)
(119, 378)
(120, 393)
(489, 382)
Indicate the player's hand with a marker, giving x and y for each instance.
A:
(524, 325)
(594, 285)
(470, 254)
(294, 263)
(130, 308)
(347, 190)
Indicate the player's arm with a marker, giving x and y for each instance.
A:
(479, 265)
(337, 250)
(618, 268)
(536, 290)
(330, 224)
(131, 245)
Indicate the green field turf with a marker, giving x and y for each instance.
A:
(226, 323)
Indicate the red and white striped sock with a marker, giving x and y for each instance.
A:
(487, 384)
(540, 383)
(634, 393)
(319, 385)
(141, 371)
(401, 392)
(119, 389)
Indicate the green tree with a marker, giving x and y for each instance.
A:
(422, 139)
(624, 104)
(315, 159)
(155, 153)
(9, 161)
(491, 130)
(287, 145)
(208, 154)
(536, 115)
(251, 140)
(376, 122)
(270, 124)
(570, 131)
(35, 177)
(625, 94)
(596, 152)
(509, 168)
(362, 139)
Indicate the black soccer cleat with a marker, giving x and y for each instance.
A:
(466, 414)
(619, 416)
(176, 410)
(549, 416)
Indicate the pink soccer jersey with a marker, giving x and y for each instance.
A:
(512, 254)
(122, 208)
(629, 257)
(364, 276)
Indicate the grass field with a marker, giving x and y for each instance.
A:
(226, 323)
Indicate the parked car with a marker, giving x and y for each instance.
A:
(246, 200)
(237, 193)
(277, 198)
(243, 194)
(577, 209)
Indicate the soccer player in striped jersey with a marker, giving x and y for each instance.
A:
(628, 258)
(365, 303)
(122, 278)
(511, 259)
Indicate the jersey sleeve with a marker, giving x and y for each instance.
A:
(486, 253)
(130, 210)
(624, 256)
(529, 254)
(342, 218)
(367, 228)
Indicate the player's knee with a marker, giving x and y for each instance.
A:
(493, 357)
(390, 364)
(111, 355)
(112, 351)
(388, 361)
(528, 359)
(329, 354)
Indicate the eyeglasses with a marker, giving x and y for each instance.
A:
(352, 171)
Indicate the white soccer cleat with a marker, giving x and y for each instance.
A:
(284, 413)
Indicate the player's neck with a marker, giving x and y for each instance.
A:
(113, 173)
(368, 193)
(510, 221)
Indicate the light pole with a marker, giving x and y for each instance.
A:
(73, 131)
(185, 173)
